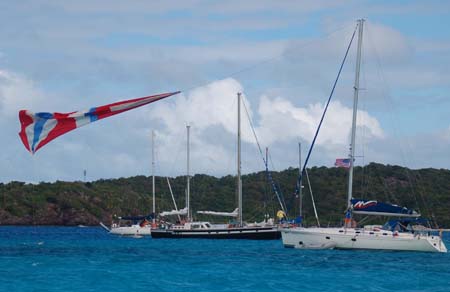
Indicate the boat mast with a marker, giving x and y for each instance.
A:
(239, 182)
(355, 109)
(153, 176)
(300, 207)
(188, 178)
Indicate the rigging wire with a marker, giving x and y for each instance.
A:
(299, 180)
(388, 99)
(269, 175)
(312, 198)
(263, 62)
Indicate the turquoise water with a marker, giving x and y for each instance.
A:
(89, 259)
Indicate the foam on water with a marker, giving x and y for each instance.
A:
(89, 259)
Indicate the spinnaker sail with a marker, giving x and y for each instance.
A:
(38, 129)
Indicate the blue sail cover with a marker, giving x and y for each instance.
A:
(373, 207)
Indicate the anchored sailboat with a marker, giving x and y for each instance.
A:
(140, 225)
(407, 233)
(203, 229)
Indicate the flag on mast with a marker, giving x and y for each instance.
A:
(342, 162)
(37, 129)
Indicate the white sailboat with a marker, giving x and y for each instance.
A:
(404, 234)
(140, 225)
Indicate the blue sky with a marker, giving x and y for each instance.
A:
(283, 55)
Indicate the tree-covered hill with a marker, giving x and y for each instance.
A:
(74, 203)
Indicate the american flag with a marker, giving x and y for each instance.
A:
(342, 162)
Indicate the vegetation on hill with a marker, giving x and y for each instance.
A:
(74, 203)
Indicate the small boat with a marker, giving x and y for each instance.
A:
(140, 225)
(137, 225)
(409, 232)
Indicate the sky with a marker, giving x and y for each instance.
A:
(63, 56)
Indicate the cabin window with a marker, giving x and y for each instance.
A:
(371, 233)
(384, 233)
(341, 230)
(327, 237)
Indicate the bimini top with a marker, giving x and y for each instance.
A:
(372, 207)
(405, 224)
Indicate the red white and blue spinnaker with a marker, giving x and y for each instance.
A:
(37, 129)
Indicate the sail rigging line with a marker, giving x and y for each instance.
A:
(388, 99)
(265, 61)
(277, 185)
(299, 180)
(266, 163)
(312, 198)
(173, 198)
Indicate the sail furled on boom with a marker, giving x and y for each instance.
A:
(183, 211)
(373, 207)
(224, 214)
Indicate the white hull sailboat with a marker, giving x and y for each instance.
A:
(141, 225)
(133, 230)
(405, 234)
(360, 238)
(143, 228)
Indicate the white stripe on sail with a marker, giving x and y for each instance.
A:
(130, 105)
(49, 125)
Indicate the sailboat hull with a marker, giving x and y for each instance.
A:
(131, 230)
(256, 233)
(350, 238)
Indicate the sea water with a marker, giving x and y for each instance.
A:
(89, 259)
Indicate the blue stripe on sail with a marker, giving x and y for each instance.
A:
(91, 114)
(42, 118)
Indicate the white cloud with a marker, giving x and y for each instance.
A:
(282, 121)
(211, 111)
(157, 46)
(16, 92)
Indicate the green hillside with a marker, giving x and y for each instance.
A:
(73, 203)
